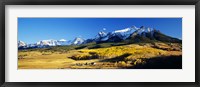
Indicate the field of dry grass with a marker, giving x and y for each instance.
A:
(114, 57)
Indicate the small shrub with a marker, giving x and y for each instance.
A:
(121, 64)
(139, 61)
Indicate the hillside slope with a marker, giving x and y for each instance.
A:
(142, 55)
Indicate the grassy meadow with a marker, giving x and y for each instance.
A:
(157, 55)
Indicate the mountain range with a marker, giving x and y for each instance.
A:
(130, 35)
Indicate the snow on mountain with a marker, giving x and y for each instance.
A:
(32, 45)
(44, 43)
(48, 43)
(143, 30)
(21, 44)
(124, 33)
(64, 42)
(117, 35)
(78, 41)
(101, 36)
(121, 34)
(123, 30)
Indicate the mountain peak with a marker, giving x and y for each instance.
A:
(134, 27)
(49, 42)
(78, 41)
(21, 44)
(102, 34)
(62, 40)
(142, 27)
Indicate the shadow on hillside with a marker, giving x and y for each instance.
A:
(167, 62)
(116, 59)
(170, 62)
(80, 47)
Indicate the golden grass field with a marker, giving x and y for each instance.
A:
(168, 55)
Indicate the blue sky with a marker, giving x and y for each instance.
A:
(31, 30)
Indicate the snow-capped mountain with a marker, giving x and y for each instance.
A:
(53, 42)
(48, 43)
(142, 30)
(131, 34)
(32, 45)
(64, 42)
(101, 36)
(117, 34)
(78, 41)
(124, 33)
(136, 34)
(21, 44)
(43, 43)
(121, 34)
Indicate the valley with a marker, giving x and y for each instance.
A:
(104, 56)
